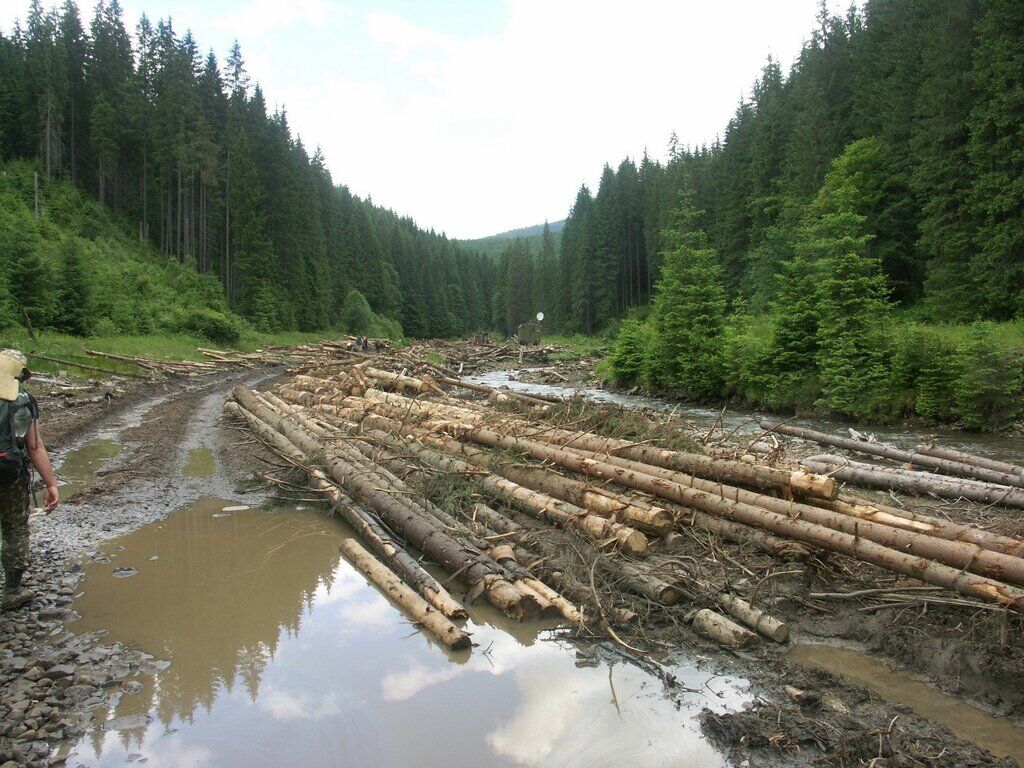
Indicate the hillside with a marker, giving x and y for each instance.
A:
(493, 245)
(187, 156)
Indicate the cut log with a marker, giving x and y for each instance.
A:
(950, 454)
(360, 519)
(753, 617)
(897, 454)
(722, 630)
(475, 567)
(411, 604)
(818, 535)
(892, 478)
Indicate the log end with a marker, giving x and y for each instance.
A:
(819, 486)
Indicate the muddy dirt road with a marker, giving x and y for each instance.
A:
(187, 618)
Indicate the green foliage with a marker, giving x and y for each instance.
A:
(748, 358)
(73, 311)
(989, 381)
(688, 312)
(356, 316)
(630, 352)
(221, 327)
(851, 292)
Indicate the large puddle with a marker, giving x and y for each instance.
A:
(282, 655)
(998, 735)
(745, 421)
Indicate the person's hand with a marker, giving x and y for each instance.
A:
(52, 498)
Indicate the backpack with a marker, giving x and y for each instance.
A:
(13, 415)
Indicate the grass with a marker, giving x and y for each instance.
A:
(578, 346)
(165, 346)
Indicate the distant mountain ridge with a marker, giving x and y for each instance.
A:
(494, 244)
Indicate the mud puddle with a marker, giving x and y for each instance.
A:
(280, 654)
(998, 735)
(745, 421)
(78, 469)
(200, 463)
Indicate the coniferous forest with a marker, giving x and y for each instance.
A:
(854, 240)
(182, 155)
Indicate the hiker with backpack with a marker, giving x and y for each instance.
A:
(21, 448)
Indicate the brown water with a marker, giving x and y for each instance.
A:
(282, 655)
(78, 471)
(996, 734)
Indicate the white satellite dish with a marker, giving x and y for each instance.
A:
(540, 316)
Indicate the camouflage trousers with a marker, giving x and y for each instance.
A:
(14, 525)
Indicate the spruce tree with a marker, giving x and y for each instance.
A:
(73, 311)
(689, 307)
(851, 291)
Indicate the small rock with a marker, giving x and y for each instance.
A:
(62, 670)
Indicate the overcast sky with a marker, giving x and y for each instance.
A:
(478, 116)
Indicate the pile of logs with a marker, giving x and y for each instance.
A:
(931, 469)
(375, 443)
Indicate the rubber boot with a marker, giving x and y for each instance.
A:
(15, 595)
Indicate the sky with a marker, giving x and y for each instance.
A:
(478, 116)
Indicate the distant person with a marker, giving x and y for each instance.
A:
(366, 344)
(378, 345)
(21, 448)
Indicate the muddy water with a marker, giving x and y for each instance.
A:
(78, 470)
(200, 463)
(998, 735)
(282, 655)
(745, 420)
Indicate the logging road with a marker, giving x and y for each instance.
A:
(240, 637)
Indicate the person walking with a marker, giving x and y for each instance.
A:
(21, 448)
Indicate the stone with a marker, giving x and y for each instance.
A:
(62, 670)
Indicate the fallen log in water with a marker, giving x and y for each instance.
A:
(896, 454)
(359, 518)
(411, 603)
(475, 567)
(893, 478)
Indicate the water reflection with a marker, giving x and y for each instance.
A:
(282, 655)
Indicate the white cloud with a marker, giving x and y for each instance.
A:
(482, 132)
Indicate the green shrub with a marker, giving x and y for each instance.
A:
(988, 385)
(628, 355)
(105, 328)
(207, 323)
(356, 316)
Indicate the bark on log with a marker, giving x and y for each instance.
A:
(957, 554)
(923, 482)
(753, 617)
(722, 630)
(853, 545)
(361, 521)
(938, 527)
(896, 454)
(385, 403)
(708, 467)
(950, 454)
(412, 604)
(475, 567)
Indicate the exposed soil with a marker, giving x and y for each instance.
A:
(50, 678)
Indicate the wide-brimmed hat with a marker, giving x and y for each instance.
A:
(13, 370)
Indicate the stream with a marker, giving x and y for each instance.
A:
(745, 420)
